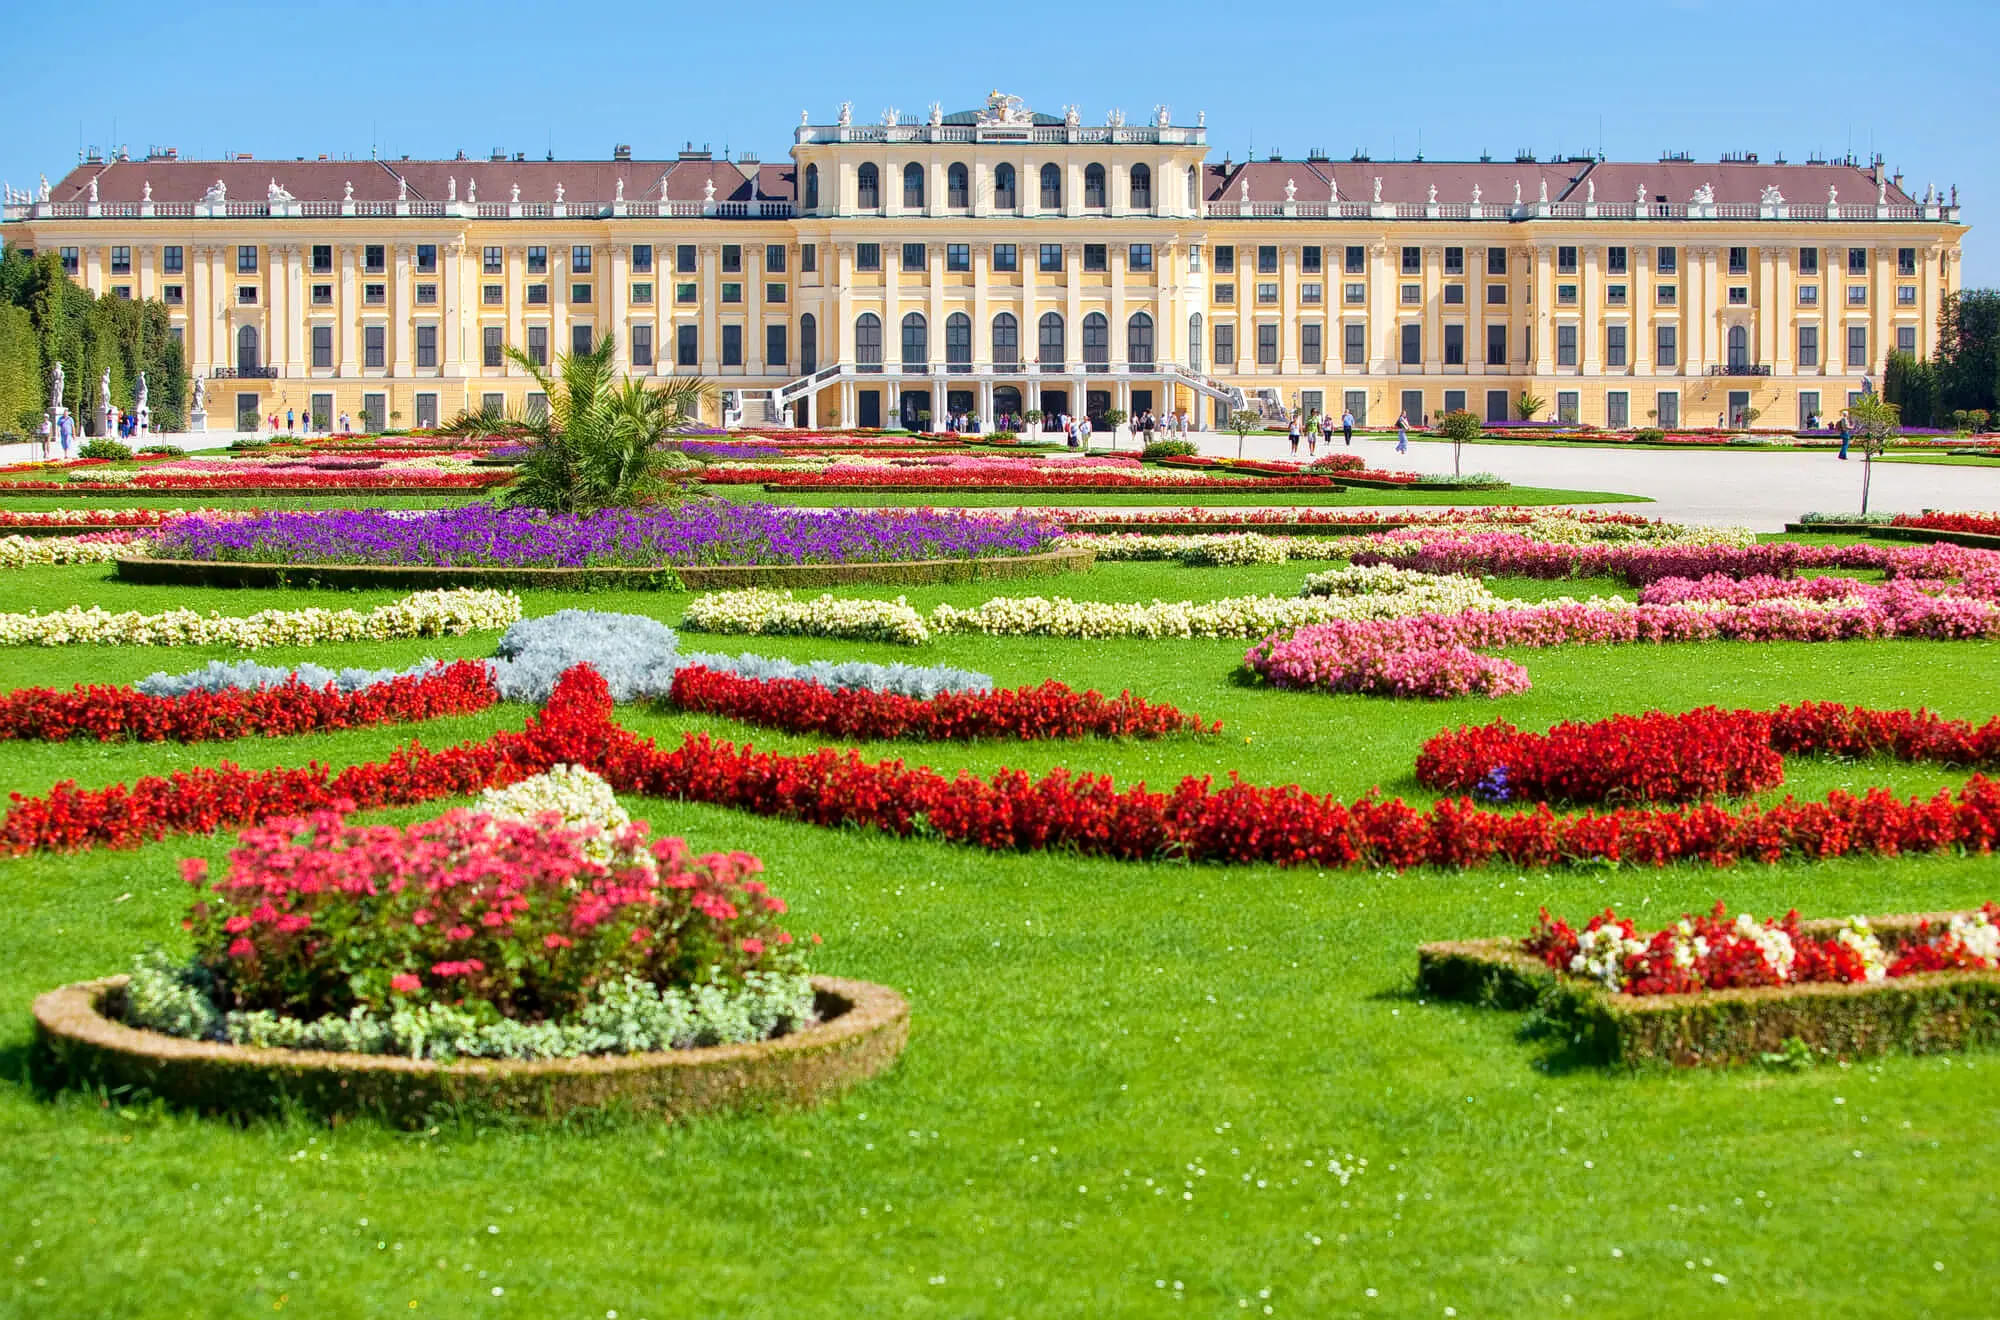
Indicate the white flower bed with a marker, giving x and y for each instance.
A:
(763, 611)
(581, 799)
(420, 614)
(36, 551)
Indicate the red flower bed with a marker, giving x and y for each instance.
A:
(1982, 524)
(944, 478)
(112, 713)
(1704, 753)
(1048, 711)
(15, 521)
(1011, 811)
(257, 483)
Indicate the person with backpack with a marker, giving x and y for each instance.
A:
(1402, 433)
(1846, 430)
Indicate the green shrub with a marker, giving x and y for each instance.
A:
(1170, 449)
(1651, 435)
(167, 451)
(103, 447)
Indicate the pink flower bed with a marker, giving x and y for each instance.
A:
(1510, 554)
(1431, 672)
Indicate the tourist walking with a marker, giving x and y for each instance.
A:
(46, 431)
(1083, 432)
(1347, 427)
(64, 430)
(1846, 430)
(1402, 433)
(291, 419)
(1295, 435)
(1326, 429)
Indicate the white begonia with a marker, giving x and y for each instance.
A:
(35, 551)
(1980, 937)
(582, 799)
(1774, 946)
(1857, 935)
(421, 614)
(1601, 955)
(763, 611)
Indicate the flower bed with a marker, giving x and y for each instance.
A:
(1980, 524)
(1010, 811)
(292, 706)
(421, 614)
(59, 521)
(88, 548)
(1510, 554)
(1657, 757)
(1707, 992)
(267, 482)
(1050, 710)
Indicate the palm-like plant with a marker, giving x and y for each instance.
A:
(597, 443)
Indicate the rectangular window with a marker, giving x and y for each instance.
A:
(579, 293)
(1267, 292)
(1355, 259)
(1614, 295)
(1413, 294)
(122, 291)
(1857, 295)
(1225, 259)
(774, 258)
(171, 294)
(492, 261)
(1565, 260)
(538, 345)
(1353, 344)
(958, 256)
(1355, 292)
(1739, 261)
(642, 258)
(170, 259)
(1565, 295)
(1309, 259)
(1267, 259)
(1224, 293)
(535, 405)
(427, 346)
(322, 295)
(492, 405)
(1666, 346)
(1413, 344)
(732, 258)
(1413, 406)
(1225, 345)
(774, 345)
(427, 295)
(1454, 401)
(374, 338)
(867, 256)
(1052, 257)
(1454, 346)
(774, 293)
(1413, 261)
(246, 293)
(1906, 295)
(1454, 295)
(69, 262)
(492, 352)
(1094, 258)
(1006, 257)
(1309, 293)
(642, 345)
(642, 292)
(246, 259)
(580, 340)
(1808, 345)
(1739, 295)
(914, 257)
(322, 348)
(1496, 345)
(490, 295)
(1667, 260)
(374, 408)
(1496, 261)
(1496, 295)
(1454, 261)
(684, 259)
(375, 258)
(1809, 295)
(538, 261)
(1857, 261)
(121, 261)
(732, 292)
(732, 345)
(1857, 345)
(1614, 345)
(1565, 345)
(687, 352)
(1906, 339)
(427, 258)
(1808, 261)
(1618, 410)
(1309, 345)
(1667, 294)
(1615, 260)
(1667, 409)
(1906, 261)
(1139, 256)
(1566, 407)
(1267, 345)
(685, 293)
(809, 257)
(1808, 407)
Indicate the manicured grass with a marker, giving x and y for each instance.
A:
(1944, 460)
(1124, 1083)
(1170, 496)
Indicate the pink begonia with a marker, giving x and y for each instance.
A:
(404, 983)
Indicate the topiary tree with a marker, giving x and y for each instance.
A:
(1459, 426)
(1528, 404)
(1243, 422)
(1114, 418)
(1033, 417)
(1876, 423)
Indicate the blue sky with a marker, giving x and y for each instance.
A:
(1638, 78)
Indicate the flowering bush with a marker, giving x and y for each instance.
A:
(420, 614)
(1713, 953)
(89, 548)
(290, 707)
(1429, 672)
(1982, 524)
(1048, 711)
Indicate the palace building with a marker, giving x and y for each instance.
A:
(1000, 260)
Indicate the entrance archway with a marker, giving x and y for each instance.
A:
(1006, 403)
(1054, 404)
(915, 402)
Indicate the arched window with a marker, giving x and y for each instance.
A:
(808, 344)
(1051, 187)
(1096, 340)
(246, 349)
(812, 187)
(868, 341)
(916, 343)
(913, 186)
(1142, 187)
(1739, 346)
(1194, 189)
(1006, 340)
(1139, 340)
(868, 187)
(1093, 186)
(1003, 188)
(1051, 334)
(957, 186)
(958, 341)
(1194, 341)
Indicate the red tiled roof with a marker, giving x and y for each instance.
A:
(1737, 181)
(429, 180)
(1402, 180)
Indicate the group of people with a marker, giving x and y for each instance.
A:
(1316, 426)
(301, 423)
(1147, 426)
(62, 433)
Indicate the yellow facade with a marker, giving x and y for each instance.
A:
(1054, 257)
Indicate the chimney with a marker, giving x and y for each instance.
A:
(621, 152)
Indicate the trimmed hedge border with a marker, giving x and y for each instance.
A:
(76, 1043)
(1370, 483)
(706, 577)
(1889, 532)
(1229, 487)
(1921, 1014)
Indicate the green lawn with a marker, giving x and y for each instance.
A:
(1129, 1089)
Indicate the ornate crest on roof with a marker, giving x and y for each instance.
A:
(1004, 109)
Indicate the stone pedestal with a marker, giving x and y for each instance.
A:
(198, 420)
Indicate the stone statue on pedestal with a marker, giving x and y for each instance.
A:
(56, 388)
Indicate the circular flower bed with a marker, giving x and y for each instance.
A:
(542, 926)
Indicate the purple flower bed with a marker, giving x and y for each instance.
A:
(722, 452)
(709, 532)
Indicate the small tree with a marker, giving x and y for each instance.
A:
(1033, 417)
(923, 419)
(1243, 422)
(1750, 416)
(1875, 424)
(1114, 418)
(1529, 403)
(1458, 426)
